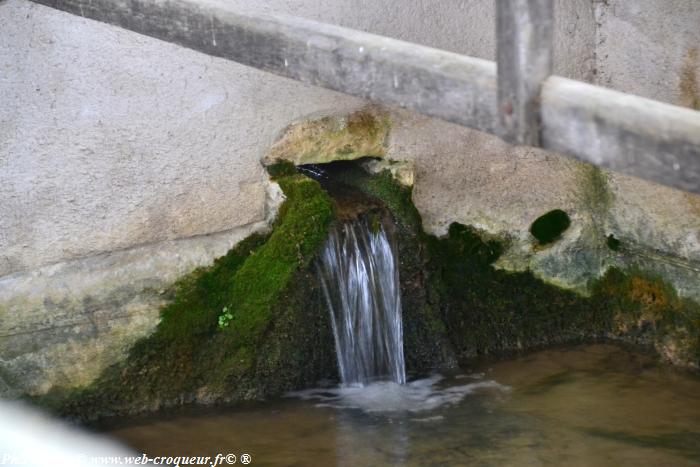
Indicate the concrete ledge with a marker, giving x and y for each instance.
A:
(61, 325)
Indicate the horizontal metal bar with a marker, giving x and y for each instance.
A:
(633, 135)
(524, 30)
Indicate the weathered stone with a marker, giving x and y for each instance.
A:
(332, 138)
(62, 325)
(276, 337)
(402, 171)
(474, 179)
(110, 140)
(635, 55)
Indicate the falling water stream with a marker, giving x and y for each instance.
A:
(360, 278)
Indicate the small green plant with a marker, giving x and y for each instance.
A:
(225, 318)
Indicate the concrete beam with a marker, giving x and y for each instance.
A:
(625, 133)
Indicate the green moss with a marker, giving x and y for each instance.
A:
(613, 243)
(454, 303)
(281, 169)
(490, 311)
(263, 278)
(382, 186)
(549, 227)
(647, 310)
(486, 311)
(188, 355)
(200, 296)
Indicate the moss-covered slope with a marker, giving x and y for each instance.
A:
(278, 324)
(489, 311)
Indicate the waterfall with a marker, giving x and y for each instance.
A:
(359, 274)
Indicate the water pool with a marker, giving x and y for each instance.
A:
(596, 405)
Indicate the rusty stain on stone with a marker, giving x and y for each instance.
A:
(689, 85)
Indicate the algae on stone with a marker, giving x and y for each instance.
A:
(648, 311)
(489, 311)
(189, 359)
(689, 81)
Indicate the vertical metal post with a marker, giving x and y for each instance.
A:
(524, 30)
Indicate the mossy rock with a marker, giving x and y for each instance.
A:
(454, 296)
(494, 312)
(281, 169)
(278, 323)
(648, 311)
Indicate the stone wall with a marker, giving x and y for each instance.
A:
(126, 162)
(465, 176)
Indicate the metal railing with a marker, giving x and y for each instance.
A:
(518, 100)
